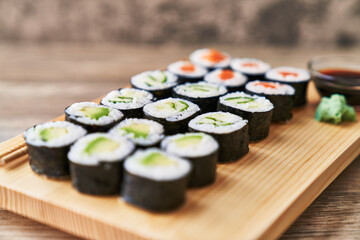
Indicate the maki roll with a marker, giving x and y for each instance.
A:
(48, 145)
(92, 116)
(187, 71)
(201, 150)
(203, 93)
(155, 180)
(233, 81)
(296, 77)
(280, 95)
(253, 68)
(96, 163)
(142, 132)
(129, 101)
(159, 83)
(257, 110)
(210, 58)
(230, 131)
(173, 113)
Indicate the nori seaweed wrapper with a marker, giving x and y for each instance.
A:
(156, 196)
(232, 146)
(49, 161)
(173, 127)
(283, 105)
(204, 169)
(253, 77)
(259, 122)
(207, 104)
(158, 93)
(90, 127)
(102, 179)
(231, 89)
(185, 79)
(300, 91)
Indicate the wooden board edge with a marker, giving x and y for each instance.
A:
(284, 221)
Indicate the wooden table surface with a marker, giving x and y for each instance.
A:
(38, 82)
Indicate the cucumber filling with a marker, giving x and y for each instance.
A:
(157, 159)
(215, 120)
(240, 100)
(156, 78)
(101, 145)
(201, 88)
(173, 106)
(51, 133)
(95, 112)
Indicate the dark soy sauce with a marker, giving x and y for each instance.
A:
(352, 96)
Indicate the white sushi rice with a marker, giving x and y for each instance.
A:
(260, 104)
(202, 123)
(251, 66)
(77, 154)
(156, 131)
(74, 112)
(206, 146)
(191, 89)
(142, 80)
(290, 74)
(214, 77)
(33, 137)
(174, 115)
(139, 98)
(179, 169)
(199, 57)
(175, 68)
(279, 89)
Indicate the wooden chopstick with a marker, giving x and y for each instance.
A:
(12, 149)
(13, 155)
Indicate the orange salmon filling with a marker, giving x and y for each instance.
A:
(226, 74)
(250, 64)
(214, 56)
(267, 85)
(285, 74)
(188, 67)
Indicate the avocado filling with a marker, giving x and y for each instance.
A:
(201, 88)
(51, 133)
(240, 100)
(215, 119)
(101, 145)
(186, 141)
(138, 130)
(156, 78)
(173, 106)
(95, 112)
(157, 159)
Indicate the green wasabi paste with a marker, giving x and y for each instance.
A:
(334, 110)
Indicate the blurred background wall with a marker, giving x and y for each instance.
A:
(268, 22)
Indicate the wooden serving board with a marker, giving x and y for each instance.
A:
(257, 197)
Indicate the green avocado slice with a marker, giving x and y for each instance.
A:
(188, 140)
(139, 130)
(240, 100)
(100, 145)
(51, 133)
(173, 106)
(157, 159)
(95, 112)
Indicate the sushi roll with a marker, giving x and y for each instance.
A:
(155, 180)
(142, 132)
(257, 110)
(201, 150)
(159, 83)
(210, 58)
(253, 68)
(173, 113)
(233, 81)
(187, 71)
(280, 95)
(92, 116)
(48, 145)
(230, 131)
(204, 94)
(298, 78)
(96, 163)
(129, 101)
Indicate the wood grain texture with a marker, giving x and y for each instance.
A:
(59, 95)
